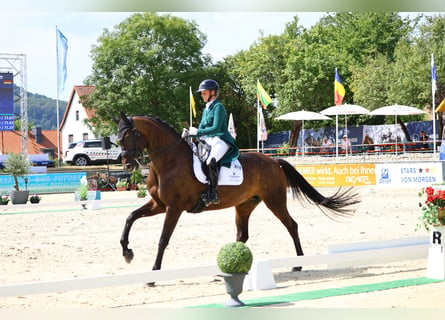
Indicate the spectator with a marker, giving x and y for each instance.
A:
(424, 139)
(346, 145)
(368, 143)
(325, 146)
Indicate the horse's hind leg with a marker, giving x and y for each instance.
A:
(149, 209)
(243, 212)
(279, 209)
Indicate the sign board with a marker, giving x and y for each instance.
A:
(6, 102)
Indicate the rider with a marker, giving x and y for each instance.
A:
(213, 128)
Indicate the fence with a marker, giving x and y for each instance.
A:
(340, 256)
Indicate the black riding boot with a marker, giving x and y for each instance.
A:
(212, 194)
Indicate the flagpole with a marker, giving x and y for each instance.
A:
(433, 91)
(57, 100)
(190, 106)
(258, 125)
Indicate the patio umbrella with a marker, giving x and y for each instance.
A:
(343, 109)
(303, 115)
(396, 110)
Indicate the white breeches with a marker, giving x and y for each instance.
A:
(219, 148)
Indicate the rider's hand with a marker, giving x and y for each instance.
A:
(185, 133)
(193, 131)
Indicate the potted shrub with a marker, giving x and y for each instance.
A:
(18, 167)
(234, 260)
(136, 178)
(141, 190)
(4, 200)
(433, 208)
(121, 185)
(35, 198)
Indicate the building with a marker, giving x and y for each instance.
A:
(72, 126)
(39, 141)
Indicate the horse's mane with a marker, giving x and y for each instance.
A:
(163, 123)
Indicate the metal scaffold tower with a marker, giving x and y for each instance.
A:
(17, 63)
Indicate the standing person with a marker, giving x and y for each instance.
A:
(213, 128)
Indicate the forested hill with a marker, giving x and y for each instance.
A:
(41, 110)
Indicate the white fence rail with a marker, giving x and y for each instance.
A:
(349, 255)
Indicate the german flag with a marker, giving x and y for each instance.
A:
(7, 81)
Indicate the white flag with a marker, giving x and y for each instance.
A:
(262, 128)
(433, 74)
(231, 127)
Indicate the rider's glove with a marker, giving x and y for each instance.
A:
(193, 131)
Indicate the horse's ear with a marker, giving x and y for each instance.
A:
(124, 117)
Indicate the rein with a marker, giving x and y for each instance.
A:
(136, 136)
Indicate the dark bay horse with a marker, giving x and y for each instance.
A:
(174, 188)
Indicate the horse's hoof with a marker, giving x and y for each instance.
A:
(297, 269)
(151, 284)
(128, 255)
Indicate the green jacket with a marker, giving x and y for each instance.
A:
(214, 123)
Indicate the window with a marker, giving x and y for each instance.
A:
(70, 138)
(85, 136)
(77, 115)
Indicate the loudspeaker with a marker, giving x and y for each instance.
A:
(106, 143)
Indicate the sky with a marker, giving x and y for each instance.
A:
(34, 35)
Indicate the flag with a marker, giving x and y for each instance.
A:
(262, 95)
(339, 89)
(61, 48)
(262, 128)
(231, 127)
(433, 74)
(192, 103)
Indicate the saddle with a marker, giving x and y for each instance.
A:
(232, 176)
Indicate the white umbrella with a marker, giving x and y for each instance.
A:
(343, 109)
(396, 110)
(303, 115)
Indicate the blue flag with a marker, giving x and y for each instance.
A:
(62, 48)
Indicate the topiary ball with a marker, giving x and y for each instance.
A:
(235, 257)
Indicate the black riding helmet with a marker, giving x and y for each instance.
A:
(208, 84)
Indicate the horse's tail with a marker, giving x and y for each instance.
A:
(338, 204)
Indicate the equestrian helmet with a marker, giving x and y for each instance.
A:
(208, 84)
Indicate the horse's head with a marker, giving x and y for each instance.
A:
(129, 139)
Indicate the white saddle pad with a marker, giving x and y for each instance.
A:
(232, 176)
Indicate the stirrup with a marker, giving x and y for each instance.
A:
(210, 198)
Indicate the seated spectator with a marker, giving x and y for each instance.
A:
(423, 139)
(368, 143)
(325, 146)
(346, 145)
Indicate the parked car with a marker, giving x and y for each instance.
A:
(86, 152)
(36, 160)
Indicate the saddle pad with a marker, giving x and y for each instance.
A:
(232, 176)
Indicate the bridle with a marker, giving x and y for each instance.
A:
(136, 150)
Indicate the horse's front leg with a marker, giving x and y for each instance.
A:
(149, 209)
(171, 220)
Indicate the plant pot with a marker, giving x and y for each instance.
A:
(121, 188)
(19, 197)
(34, 201)
(441, 216)
(234, 286)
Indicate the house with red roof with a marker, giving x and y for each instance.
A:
(72, 126)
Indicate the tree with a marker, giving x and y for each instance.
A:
(145, 66)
